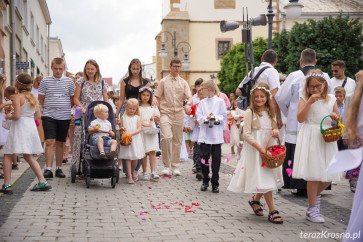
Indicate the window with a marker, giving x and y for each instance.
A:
(223, 48)
(32, 26)
(41, 46)
(37, 40)
(25, 13)
(224, 4)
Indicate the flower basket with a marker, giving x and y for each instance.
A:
(125, 139)
(331, 134)
(278, 153)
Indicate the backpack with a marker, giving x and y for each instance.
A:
(243, 101)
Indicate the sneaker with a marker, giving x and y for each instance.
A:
(154, 176)
(176, 172)
(102, 155)
(112, 154)
(194, 169)
(166, 171)
(313, 215)
(199, 176)
(145, 176)
(59, 173)
(65, 160)
(48, 173)
(158, 153)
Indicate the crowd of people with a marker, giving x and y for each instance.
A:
(170, 119)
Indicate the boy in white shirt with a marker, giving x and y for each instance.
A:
(211, 115)
(101, 130)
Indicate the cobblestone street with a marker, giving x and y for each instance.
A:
(173, 209)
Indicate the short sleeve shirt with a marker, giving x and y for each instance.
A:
(89, 92)
(100, 124)
(172, 91)
(57, 93)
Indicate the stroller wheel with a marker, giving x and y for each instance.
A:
(88, 181)
(73, 173)
(113, 181)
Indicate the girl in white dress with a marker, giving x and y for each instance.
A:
(131, 123)
(250, 174)
(149, 115)
(23, 136)
(313, 154)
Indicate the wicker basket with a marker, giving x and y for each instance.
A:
(276, 160)
(331, 134)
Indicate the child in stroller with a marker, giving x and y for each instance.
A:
(92, 163)
(101, 132)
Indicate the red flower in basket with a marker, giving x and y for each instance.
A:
(276, 150)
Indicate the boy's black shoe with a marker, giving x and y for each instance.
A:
(199, 176)
(158, 153)
(59, 173)
(48, 174)
(215, 189)
(64, 161)
(204, 187)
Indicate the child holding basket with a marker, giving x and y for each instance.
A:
(251, 175)
(313, 154)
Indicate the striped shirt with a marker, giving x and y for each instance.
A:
(57, 92)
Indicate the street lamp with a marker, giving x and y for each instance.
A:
(293, 11)
(185, 48)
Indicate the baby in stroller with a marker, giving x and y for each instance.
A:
(101, 132)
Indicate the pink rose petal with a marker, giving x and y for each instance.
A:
(289, 163)
(257, 189)
(143, 219)
(228, 158)
(289, 172)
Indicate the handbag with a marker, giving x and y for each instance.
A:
(6, 124)
(152, 129)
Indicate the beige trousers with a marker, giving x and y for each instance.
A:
(171, 131)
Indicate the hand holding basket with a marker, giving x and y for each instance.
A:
(277, 157)
(332, 134)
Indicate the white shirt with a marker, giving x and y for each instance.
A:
(349, 86)
(35, 92)
(216, 106)
(287, 97)
(103, 125)
(269, 76)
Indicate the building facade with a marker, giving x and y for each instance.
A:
(26, 25)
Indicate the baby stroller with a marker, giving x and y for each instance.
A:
(91, 164)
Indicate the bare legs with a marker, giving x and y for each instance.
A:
(49, 152)
(314, 189)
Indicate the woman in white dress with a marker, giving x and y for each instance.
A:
(251, 176)
(131, 123)
(22, 130)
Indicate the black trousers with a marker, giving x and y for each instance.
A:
(216, 151)
(197, 156)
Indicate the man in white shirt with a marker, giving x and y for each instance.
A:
(269, 76)
(339, 79)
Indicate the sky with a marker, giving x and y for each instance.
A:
(112, 32)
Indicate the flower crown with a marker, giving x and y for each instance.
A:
(260, 88)
(315, 74)
(145, 88)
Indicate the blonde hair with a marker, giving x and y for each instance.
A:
(212, 85)
(133, 102)
(268, 104)
(352, 119)
(316, 74)
(23, 85)
(2, 81)
(99, 108)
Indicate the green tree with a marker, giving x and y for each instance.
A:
(233, 66)
(333, 39)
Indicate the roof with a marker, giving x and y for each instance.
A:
(328, 5)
